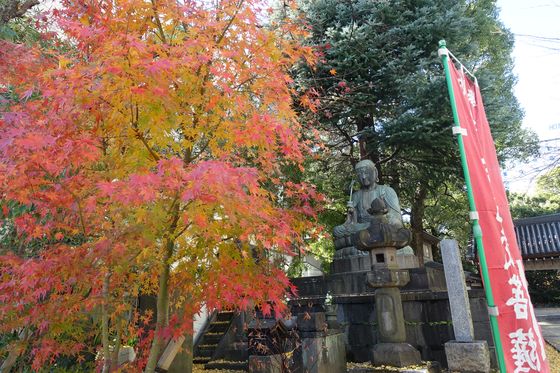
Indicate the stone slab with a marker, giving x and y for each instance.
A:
(390, 319)
(311, 321)
(458, 295)
(468, 357)
(395, 354)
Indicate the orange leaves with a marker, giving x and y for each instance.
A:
(233, 285)
(165, 124)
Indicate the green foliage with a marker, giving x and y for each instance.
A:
(16, 24)
(549, 184)
(544, 287)
(20, 30)
(446, 215)
(381, 94)
(526, 206)
(545, 201)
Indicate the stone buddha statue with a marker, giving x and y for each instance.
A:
(373, 216)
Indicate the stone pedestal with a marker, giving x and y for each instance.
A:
(265, 364)
(468, 357)
(323, 352)
(350, 259)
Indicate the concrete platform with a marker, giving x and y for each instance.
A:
(549, 320)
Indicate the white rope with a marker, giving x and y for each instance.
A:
(463, 67)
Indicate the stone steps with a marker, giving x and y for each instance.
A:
(206, 350)
(219, 326)
(224, 315)
(228, 365)
(201, 359)
(210, 340)
(213, 338)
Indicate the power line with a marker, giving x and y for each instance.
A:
(543, 38)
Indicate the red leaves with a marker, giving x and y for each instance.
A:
(27, 94)
(145, 135)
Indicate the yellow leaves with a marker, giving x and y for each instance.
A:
(84, 20)
(332, 71)
(63, 62)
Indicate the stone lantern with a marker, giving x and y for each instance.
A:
(382, 240)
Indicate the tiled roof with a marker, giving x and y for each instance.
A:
(538, 237)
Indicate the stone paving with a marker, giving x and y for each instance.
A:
(549, 320)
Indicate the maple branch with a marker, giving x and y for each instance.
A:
(139, 135)
(201, 149)
(252, 78)
(158, 22)
(15, 9)
(52, 179)
(135, 127)
(175, 219)
(183, 230)
(187, 158)
(228, 25)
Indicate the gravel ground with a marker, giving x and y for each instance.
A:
(553, 359)
(551, 353)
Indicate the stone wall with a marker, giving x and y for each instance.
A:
(425, 305)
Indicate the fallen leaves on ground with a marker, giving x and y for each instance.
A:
(199, 368)
(553, 358)
(551, 353)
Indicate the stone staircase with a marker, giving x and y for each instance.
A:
(209, 341)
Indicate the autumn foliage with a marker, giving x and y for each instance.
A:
(148, 140)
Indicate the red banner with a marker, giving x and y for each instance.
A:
(520, 334)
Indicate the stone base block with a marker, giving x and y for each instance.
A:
(395, 354)
(350, 259)
(387, 277)
(265, 364)
(326, 354)
(312, 321)
(472, 357)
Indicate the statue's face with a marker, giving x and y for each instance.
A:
(365, 176)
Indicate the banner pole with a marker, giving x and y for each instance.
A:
(477, 231)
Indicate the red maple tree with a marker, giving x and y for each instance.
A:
(149, 141)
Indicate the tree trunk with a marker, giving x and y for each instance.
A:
(10, 361)
(362, 144)
(416, 221)
(117, 346)
(162, 316)
(105, 325)
(14, 353)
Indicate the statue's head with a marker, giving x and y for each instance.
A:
(366, 172)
